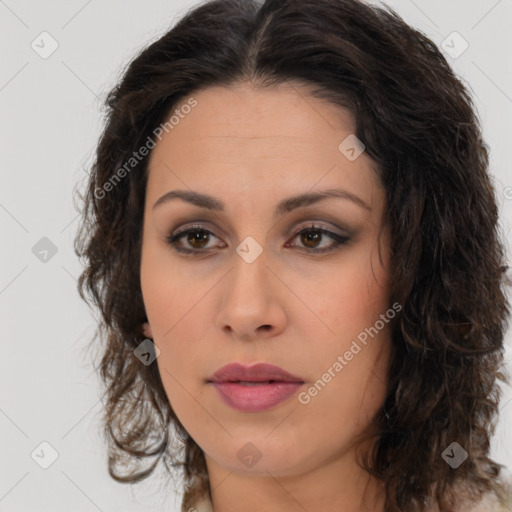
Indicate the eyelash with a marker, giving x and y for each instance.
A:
(338, 239)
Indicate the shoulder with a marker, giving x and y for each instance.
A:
(202, 505)
(491, 502)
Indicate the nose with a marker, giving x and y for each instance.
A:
(251, 301)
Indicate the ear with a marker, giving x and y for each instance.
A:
(146, 329)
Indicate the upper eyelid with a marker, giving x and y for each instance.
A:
(319, 225)
(306, 221)
(178, 235)
(341, 225)
(337, 239)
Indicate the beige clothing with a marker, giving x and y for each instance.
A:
(202, 506)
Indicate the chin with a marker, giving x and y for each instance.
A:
(250, 456)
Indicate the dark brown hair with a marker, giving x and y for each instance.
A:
(418, 124)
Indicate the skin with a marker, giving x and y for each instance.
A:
(252, 148)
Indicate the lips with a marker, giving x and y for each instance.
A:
(260, 372)
(254, 388)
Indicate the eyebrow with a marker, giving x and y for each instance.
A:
(284, 206)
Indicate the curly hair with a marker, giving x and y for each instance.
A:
(418, 124)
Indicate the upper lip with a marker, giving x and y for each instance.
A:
(259, 372)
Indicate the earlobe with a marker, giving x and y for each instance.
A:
(146, 329)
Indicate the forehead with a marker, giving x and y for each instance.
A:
(242, 139)
(249, 115)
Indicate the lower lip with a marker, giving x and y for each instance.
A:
(256, 398)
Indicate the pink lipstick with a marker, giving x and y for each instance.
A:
(254, 388)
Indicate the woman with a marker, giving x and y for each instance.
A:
(291, 235)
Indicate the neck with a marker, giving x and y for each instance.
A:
(337, 485)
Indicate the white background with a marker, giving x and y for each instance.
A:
(50, 121)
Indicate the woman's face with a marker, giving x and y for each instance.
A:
(253, 289)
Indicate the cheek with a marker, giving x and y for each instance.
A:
(349, 397)
(354, 297)
(173, 302)
(165, 292)
(352, 306)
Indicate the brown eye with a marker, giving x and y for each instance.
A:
(312, 236)
(196, 240)
(310, 239)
